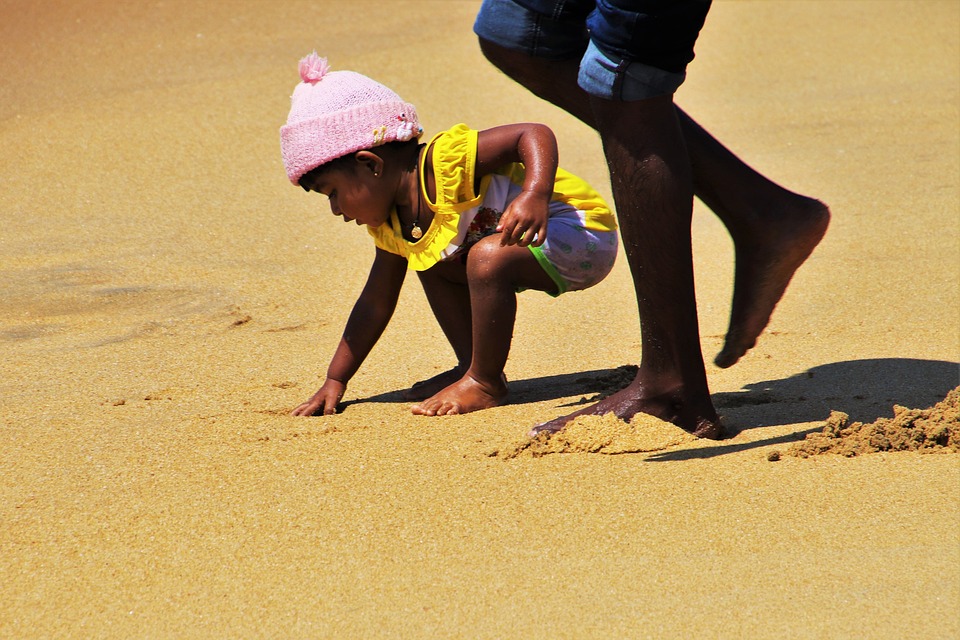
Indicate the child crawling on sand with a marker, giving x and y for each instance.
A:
(479, 215)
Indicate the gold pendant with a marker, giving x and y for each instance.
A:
(415, 232)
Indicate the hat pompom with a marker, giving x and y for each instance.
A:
(313, 68)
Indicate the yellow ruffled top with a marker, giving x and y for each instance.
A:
(454, 160)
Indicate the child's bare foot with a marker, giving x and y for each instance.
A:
(764, 267)
(426, 388)
(690, 414)
(463, 396)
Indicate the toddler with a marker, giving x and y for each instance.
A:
(479, 215)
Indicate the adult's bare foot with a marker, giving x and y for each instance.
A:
(426, 388)
(463, 396)
(695, 416)
(765, 265)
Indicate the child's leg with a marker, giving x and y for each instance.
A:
(445, 286)
(494, 274)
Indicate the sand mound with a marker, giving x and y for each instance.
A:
(602, 434)
(932, 430)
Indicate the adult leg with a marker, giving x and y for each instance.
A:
(445, 286)
(652, 189)
(494, 274)
(774, 230)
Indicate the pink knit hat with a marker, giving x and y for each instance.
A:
(334, 113)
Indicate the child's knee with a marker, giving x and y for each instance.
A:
(487, 260)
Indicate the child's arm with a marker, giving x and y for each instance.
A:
(369, 318)
(525, 220)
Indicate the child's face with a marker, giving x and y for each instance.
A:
(355, 194)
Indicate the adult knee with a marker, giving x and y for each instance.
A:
(496, 55)
(518, 66)
(644, 127)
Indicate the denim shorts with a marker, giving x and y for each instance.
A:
(628, 49)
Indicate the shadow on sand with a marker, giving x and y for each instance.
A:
(863, 389)
(591, 385)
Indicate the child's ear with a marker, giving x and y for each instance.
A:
(370, 161)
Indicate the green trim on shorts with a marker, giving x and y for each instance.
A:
(551, 270)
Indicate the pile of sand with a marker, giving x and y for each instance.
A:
(605, 434)
(602, 434)
(932, 430)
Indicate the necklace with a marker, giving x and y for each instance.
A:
(415, 231)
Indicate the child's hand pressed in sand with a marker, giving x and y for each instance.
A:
(324, 401)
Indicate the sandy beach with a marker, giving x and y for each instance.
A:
(167, 297)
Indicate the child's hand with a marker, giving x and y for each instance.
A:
(524, 222)
(323, 401)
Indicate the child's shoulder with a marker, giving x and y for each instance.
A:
(454, 134)
(455, 146)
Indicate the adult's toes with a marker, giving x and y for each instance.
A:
(449, 409)
(726, 358)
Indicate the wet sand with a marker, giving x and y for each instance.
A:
(168, 297)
